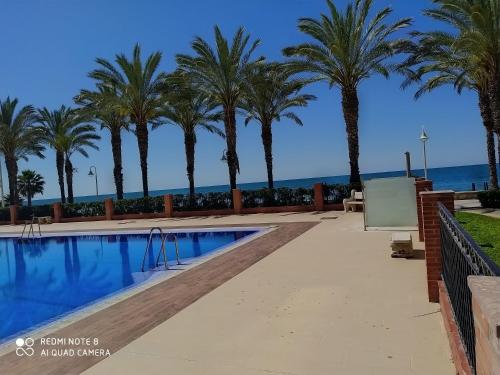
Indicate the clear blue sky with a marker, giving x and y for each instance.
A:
(49, 46)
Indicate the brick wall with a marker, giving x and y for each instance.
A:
(420, 186)
(431, 231)
(486, 310)
(456, 346)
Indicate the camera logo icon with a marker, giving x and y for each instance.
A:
(25, 347)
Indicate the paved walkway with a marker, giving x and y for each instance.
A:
(493, 212)
(331, 301)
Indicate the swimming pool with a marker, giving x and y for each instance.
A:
(45, 278)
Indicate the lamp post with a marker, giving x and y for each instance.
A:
(94, 173)
(424, 138)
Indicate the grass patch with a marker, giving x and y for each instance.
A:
(485, 230)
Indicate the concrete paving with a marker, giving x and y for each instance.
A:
(493, 212)
(332, 301)
(287, 217)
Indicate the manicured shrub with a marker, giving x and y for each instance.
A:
(335, 193)
(277, 197)
(139, 205)
(203, 201)
(25, 212)
(489, 199)
(83, 209)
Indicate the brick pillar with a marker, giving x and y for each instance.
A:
(13, 214)
(57, 212)
(168, 202)
(108, 208)
(430, 214)
(420, 186)
(485, 291)
(319, 200)
(237, 201)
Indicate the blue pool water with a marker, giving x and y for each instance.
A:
(43, 279)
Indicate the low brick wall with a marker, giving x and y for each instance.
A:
(486, 310)
(169, 210)
(421, 185)
(457, 349)
(432, 237)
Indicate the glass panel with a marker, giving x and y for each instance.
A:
(390, 202)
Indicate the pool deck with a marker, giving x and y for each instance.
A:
(328, 301)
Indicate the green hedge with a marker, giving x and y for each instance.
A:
(4, 214)
(277, 197)
(25, 212)
(139, 205)
(83, 209)
(335, 193)
(489, 199)
(203, 201)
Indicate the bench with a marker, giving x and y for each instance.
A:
(402, 245)
(355, 201)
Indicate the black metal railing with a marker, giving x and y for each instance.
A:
(462, 257)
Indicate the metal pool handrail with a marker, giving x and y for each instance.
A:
(162, 249)
(31, 229)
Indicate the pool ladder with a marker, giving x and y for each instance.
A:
(162, 251)
(31, 229)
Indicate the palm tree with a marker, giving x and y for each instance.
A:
(79, 135)
(222, 73)
(30, 183)
(476, 24)
(190, 109)
(19, 138)
(52, 124)
(99, 105)
(349, 47)
(66, 131)
(137, 86)
(270, 94)
(434, 60)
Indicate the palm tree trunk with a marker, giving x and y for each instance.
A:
(231, 155)
(486, 114)
(60, 174)
(11, 164)
(69, 179)
(116, 148)
(350, 107)
(142, 142)
(267, 141)
(29, 195)
(498, 145)
(494, 98)
(189, 142)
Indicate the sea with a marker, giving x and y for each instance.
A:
(460, 178)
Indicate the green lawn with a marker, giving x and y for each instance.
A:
(485, 230)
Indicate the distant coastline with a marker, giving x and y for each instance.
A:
(459, 178)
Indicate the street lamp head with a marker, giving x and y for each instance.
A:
(423, 136)
(91, 173)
